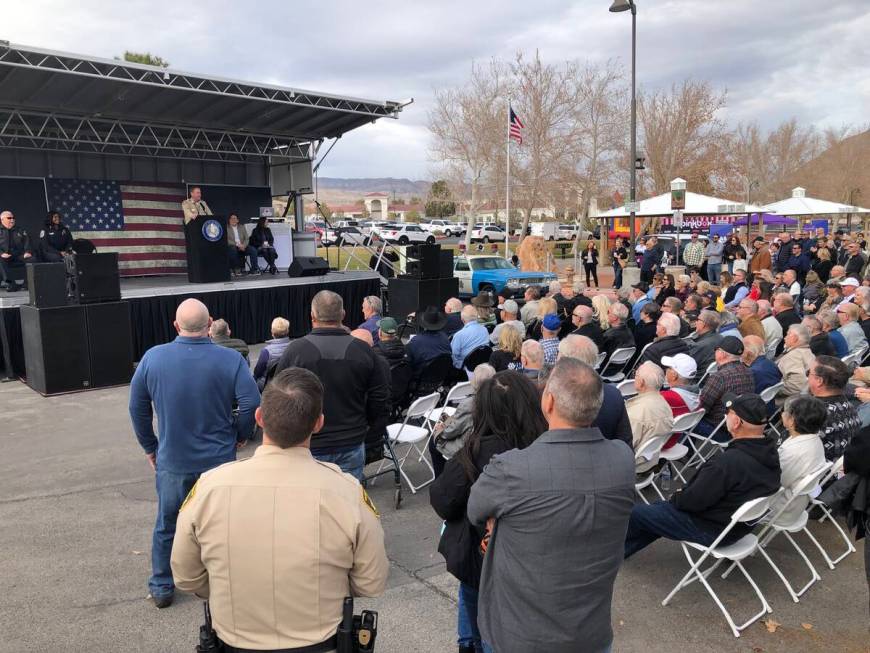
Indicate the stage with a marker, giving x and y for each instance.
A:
(248, 304)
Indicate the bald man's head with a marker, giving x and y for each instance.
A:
(192, 319)
(365, 335)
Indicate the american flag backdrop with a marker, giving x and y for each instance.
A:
(144, 223)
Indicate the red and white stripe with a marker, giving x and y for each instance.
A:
(152, 241)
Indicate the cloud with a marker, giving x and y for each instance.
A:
(777, 59)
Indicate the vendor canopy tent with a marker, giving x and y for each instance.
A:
(800, 204)
(696, 204)
(766, 219)
(61, 102)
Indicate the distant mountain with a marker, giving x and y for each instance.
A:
(401, 187)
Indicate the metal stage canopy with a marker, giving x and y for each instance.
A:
(67, 106)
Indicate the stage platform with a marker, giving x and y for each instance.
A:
(248, 304)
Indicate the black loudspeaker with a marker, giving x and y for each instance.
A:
(308, 266)
(448, 287)
(110, 344)
(413, 295)
(96, 278)
(55, 349)
(445, 267)
(47, 284)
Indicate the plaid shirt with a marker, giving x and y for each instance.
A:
(731, 377)
(694, 253)
(551, 350)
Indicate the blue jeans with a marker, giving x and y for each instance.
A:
(713, 272)
(237, 257)
(172, 490)
(661, 519)
(466, 628)
(352, 461)
(617, 276)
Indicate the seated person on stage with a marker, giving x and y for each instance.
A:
(14, 252)
(272, 350)
(55, 240)
(238, 247)
(747, 469)
(731, 375)
(263, 240)
(430, 341)
(220, 333)
(194, 206)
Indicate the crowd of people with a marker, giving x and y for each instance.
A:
(535, 471)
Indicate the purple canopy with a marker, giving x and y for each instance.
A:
(769, 218)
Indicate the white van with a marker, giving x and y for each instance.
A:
(546, 230)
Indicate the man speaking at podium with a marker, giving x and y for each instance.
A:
(195, 205)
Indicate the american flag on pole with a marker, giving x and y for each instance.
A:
(515, 127)
(144, 223)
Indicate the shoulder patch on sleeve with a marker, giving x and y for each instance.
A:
(367, 500)
(189, 496)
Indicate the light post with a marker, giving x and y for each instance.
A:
(619, 6)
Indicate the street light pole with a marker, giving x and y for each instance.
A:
(619, 6)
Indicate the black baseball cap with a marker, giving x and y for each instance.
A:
(748, 407)
(643, 286)
(731, 345)
(759, 239)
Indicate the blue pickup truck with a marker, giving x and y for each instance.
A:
(492, 272)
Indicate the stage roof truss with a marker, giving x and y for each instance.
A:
(70, 133)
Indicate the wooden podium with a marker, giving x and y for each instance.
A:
(206, 239)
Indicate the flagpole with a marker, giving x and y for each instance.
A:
(507, 218)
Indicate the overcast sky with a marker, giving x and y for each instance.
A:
(777, 58)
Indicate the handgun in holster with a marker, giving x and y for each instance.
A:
(357, 633)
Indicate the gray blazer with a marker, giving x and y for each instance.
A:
(703, 350)
(561, 507)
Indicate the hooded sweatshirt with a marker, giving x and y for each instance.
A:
(746, 470)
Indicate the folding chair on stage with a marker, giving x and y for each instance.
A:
(776, 526)
(618, 359)
(833, 472)
(410, 437)
(751, 511)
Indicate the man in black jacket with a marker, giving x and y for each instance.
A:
(585, 325)
(356, 387)
(14, 251)
(667, 342)
(746, 470)
(618, 336)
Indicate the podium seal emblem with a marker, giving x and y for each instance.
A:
(212, 231)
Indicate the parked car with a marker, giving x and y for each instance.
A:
(545, 230)
(372, 227)
(573, 231)
(486, 233)
(347, 223)
(406, 233)
(478, 272)
(667, 241)
(446, 227)
(345, 236)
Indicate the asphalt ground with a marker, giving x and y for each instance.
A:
(77, 505)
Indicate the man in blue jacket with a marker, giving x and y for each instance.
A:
(192, 384)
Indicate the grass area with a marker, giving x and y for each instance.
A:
(338, 257)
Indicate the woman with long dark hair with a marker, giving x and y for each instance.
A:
(263, 240)
(55, 239)
(507, 415)
(590, 262)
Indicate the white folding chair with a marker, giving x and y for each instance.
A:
(702, 442)
(619, 358)
(639, 358)
(710, 369)
(457, 393)
(770, 350)
(602, 356)
(411, 437)
(835, 470)
(683, 424)
(627, 388)
(645, 458)
(750, 511)
(778, 525)
(769, 393)
(853, 359)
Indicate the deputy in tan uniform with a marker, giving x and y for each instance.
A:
(277, 541)
(195, 205)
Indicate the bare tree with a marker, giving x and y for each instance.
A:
(464, 124)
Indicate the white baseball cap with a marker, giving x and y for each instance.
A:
(850, 281)
(682, 364)
(510, 306)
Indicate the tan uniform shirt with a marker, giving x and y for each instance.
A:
(192, 209)
(276, 542)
